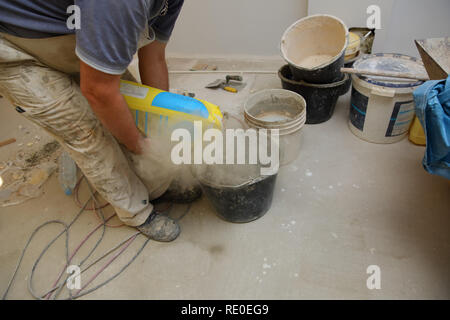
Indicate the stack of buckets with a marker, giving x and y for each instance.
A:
(314, 48)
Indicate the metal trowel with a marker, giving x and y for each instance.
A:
(231, 83)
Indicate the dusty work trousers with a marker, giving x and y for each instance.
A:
(38, 76)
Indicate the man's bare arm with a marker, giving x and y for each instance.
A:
(102, 91)
(152, 65)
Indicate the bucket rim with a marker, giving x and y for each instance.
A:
(203, 181)
(313, 85)
(284, 131)
(408, 85)
(359, 55)
(336, 57)
(279, 126)
(276, 124)
(294, 94)
(270, 126)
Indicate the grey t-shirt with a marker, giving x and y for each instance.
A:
(110, 30)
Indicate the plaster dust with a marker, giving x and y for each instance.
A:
(155, 166)
(314, 41)
(23, 177)
(314, 60)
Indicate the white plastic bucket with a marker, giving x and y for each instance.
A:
(279, 109)
(382, 109)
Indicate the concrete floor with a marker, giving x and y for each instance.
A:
(364, 204)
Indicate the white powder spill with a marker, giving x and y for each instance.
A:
(308, 173)
(266, 266)
(293, 222)
(330, 187)
(314, 187)
(264, 272)
(296, 275)
(283, 189)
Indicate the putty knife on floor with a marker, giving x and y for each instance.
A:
(230, 84)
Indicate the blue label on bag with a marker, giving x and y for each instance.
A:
(177, 102)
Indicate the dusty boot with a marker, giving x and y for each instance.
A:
(160, 228)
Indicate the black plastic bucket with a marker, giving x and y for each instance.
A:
(243, 203)
(320, 98)
(314, 47)
(329, 73)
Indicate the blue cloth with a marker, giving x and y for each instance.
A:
(432, 101)
(110, 29)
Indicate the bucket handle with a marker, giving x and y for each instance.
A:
(384, 92)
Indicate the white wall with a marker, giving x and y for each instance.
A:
(402, 21)
(236, 27)
(416, 19)
(254, 27)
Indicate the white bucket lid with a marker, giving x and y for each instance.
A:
(391, 62)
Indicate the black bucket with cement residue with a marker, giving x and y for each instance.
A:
(240, 203)
(314, 47)
(320, 98)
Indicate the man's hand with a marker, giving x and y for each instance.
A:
(152, 65)
(102, 91)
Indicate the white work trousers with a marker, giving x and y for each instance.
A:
(38, 75)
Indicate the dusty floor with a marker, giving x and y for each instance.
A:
(363, 204)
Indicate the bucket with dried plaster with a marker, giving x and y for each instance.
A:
(238, 193)
(320, 98)
(381, 108)
(279, 109)
(314, 47)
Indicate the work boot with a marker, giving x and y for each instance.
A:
(180, 194)
(160, 228)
